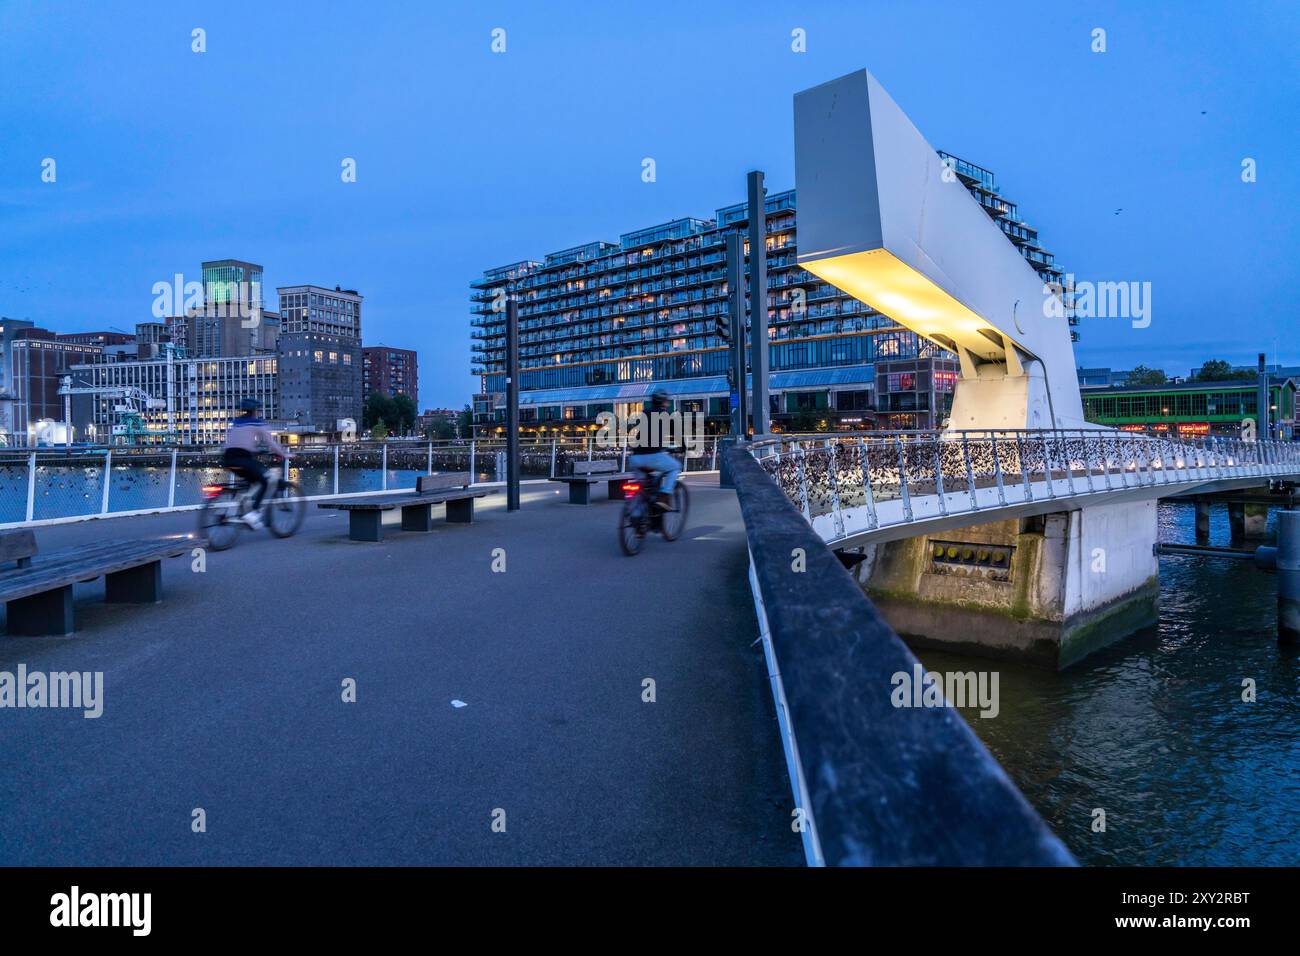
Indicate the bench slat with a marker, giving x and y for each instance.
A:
(93, 554)
(440, 482)
(109, 550)
(595, 479)
(62, 568)
(389, 502)
(598, 467)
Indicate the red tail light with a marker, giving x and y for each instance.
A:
(211, 491)
(630, 489)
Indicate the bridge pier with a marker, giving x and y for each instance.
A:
(1248, 521)
(1052, 588)
(1202, 521)
(1256, 521)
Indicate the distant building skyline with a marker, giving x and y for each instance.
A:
(1116, 193)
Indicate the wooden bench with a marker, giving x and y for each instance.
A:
(588, 473)
(366, 513)
(38, 591)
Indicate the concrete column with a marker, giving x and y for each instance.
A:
(1056, 592)
(1288, 577)
(1202, 522)
(1255, 521)
(1237, 520)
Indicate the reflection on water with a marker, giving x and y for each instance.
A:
(1154, 730)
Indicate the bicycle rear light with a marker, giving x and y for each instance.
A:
(630, 489)
(211, 491)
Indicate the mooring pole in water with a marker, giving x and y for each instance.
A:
(1284, 560)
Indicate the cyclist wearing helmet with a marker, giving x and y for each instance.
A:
(650, 451)
(247, 435)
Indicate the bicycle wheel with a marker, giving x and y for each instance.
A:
(218, 520)
(285, 510)
(630, 535)
(672, 522)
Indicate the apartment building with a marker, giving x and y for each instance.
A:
(604, 324)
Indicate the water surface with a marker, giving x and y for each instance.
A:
(1154, 730)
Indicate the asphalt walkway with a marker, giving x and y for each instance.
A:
(228, 697)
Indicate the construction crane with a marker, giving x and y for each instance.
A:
(132, 404)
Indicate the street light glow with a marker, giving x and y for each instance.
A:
(889, 285)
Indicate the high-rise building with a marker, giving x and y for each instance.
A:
(390, 371)
(214, 336)
(33, 361)
(232, 282)
(319, 352)
(196, 398)
(231, 320)
(602, 325)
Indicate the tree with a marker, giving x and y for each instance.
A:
(379, 431)
(1217, 370)
(1141, 375)
(404, 412)
(379, 407)
(465, 422)
(442, 430)
(809, 420)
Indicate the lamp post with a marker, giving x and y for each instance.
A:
(736, 325)
(758, 344)
(512, 404)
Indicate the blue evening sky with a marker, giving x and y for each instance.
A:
(468, 159)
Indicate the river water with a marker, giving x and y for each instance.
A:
(1154, 731)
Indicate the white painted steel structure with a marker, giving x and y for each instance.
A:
(881, 486)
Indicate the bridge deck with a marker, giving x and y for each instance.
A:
(227, 697)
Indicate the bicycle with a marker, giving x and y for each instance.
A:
(640, 516)
(221, 517)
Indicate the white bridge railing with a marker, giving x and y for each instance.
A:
(80, 482)
(849, 484)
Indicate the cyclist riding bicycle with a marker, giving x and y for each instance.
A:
(247, 435)
(650, 453)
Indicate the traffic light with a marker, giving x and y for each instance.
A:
(722, 325)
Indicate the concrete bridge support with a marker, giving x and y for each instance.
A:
(1051, 589)
(1202, 521)
(1255, 521)
(1248, 521)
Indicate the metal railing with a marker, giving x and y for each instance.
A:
(871, 480)
(877, 784)
(41, 484)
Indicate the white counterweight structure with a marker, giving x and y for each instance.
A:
(883, 218)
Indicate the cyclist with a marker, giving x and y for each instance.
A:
(246, 436)
(651, 454)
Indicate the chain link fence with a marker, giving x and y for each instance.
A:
(61, 483)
